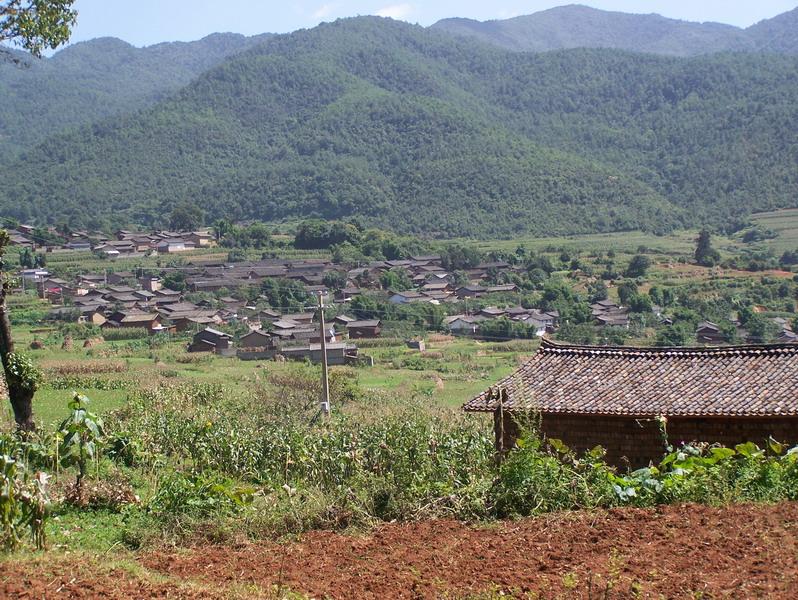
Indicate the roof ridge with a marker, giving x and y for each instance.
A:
(550, 346)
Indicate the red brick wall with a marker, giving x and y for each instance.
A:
(637, 441)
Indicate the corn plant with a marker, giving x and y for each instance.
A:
(23, 501)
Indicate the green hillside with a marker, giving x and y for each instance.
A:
(424, 132)
(97, 79)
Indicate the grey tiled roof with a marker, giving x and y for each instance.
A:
(742, 381)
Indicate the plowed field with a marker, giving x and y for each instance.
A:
(743, 551)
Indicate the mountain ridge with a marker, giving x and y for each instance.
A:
(579, 26)
(96, 79)
(428, 133)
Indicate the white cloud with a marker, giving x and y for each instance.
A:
(508, 14)
(325, 10)
(395, 11)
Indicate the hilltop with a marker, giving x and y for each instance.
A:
(576, 26)
(92, 80)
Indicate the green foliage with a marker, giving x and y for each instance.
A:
(36, 24)
(583, 333)
(21, 373)
(285, 294)
(186, 216)
(678, 334)
(198, 495)
(396, 280)
(638, 266)
(82, 433)
(705, 254)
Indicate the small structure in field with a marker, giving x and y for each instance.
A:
(417, 344)
(614, 397)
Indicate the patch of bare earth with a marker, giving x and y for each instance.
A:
(54, 575)
(743, 551)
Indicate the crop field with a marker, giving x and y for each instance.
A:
(450, 371)
(197, 476)
(785, 225)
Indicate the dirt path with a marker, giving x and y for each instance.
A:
(689, 551)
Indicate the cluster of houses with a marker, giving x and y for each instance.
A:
(543, 322)
(710, 333)
(127, 243)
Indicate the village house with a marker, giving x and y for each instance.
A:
(201, 239)
(615, 397)
(358, 330)
(463, 324)
(173, 245)
(211, 340)
(134, 319)
(407, 297)
(257, 338)
(470, 291)
(708, 333)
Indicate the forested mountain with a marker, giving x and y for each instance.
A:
(576, 26)
(425, 132)
(96, 79)
(779, 34)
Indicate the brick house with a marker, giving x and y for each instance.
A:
(588, 396)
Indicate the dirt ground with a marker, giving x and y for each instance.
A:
(743, 551)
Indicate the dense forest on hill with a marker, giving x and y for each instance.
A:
(96, 79)
(576, 26)
(429, 133)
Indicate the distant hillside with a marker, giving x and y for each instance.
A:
(576, 26)
(424, 132)
(779, 34)
(96, 79)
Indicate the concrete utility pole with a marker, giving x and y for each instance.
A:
(325, 379)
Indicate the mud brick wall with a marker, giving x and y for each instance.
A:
(636, 441)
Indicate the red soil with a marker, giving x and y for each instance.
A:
(744, 551)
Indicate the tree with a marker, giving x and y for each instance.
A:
(640, 303)
(597, 291)
(335, 280)
(674, 335)
(396, 280)
(33, 25)
(638, 266)
(36, 24)
(705, 254)
(459, 257)
(186, 217)
(26, 259)
(626, 290)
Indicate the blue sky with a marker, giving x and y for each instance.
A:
(145, 22)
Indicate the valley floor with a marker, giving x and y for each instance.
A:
(687, 551)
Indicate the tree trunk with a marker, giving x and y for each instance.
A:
(21, 398)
